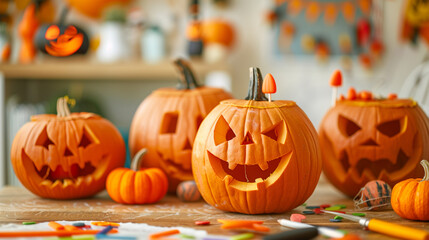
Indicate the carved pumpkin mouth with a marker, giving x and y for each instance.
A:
(374, 167)
(249, 177)
(74, 172)
(73, 175)
(177, 167)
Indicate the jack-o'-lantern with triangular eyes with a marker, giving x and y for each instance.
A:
(256, 156)
(364, 140)
(68, 155)
(167, 121)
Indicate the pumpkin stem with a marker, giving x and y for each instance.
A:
(63, 16)
(136, 162)
(62, 107)
(255, 86)
(187, 78)
(425, 165)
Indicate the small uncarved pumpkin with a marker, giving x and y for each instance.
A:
(167, 121)
(410, 198)
(187, 191)
(68, 155)
(135, 185)
(253, 156)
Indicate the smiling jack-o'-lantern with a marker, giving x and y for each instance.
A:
(68, 155)
(167, 121)
(254, 156)
(376, 139)
(61, 40)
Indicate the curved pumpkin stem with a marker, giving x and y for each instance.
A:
(255, 86)
(425, 165)
(136, 162)
(187, 77)
(62, 107)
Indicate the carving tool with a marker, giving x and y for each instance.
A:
(387, 228)
(329, 232)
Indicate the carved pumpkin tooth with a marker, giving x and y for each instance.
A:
(78, 181)
(46, 182)
(228, 179)
(56, 183)
(67, 182)
(263, 165)
(260, 184)
(232, 165)
(89, 178)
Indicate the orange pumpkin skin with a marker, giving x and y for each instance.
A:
(363, 141)
(410, 198)
(217, 31)
(94, 8)
(166, 123)
(66, 157)
(135, 185)
(256, 157)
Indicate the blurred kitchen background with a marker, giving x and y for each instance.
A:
(110, 54)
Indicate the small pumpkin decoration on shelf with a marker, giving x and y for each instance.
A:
(68, 155)
(135, 185)
(61, 40)
(364, 138)
(254, 156)
(167, 121)
(410, 197)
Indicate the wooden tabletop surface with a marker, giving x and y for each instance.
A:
(18, 205)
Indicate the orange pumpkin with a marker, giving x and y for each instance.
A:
(217, 31)
(410, 197)
(167, 121)
(135, 186)
(68, 155)
(253, 156)
(94, 8)
(364, 140)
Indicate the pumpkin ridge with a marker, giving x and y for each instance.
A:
(255, 104)
(206, 153)
(293, 143)
(380, 103)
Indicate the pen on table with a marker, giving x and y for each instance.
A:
(329, 232)
(387, 228)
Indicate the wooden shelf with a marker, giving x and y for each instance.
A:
(85, 70)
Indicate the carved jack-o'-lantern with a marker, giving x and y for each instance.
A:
(66, 156)
(254, 156)
(167, 121)
(61, 40)
(378, 139)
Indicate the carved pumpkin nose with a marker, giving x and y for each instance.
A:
(247, 139)
(369, 142)
(188, 145)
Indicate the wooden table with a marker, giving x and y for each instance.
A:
(18, 205)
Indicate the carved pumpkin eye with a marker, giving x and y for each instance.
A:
(223, 132)
(169, 123)
(391, 128)
(43, 140)
(68, 152)
(347, 127)
(87, 139)
(277, 132)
